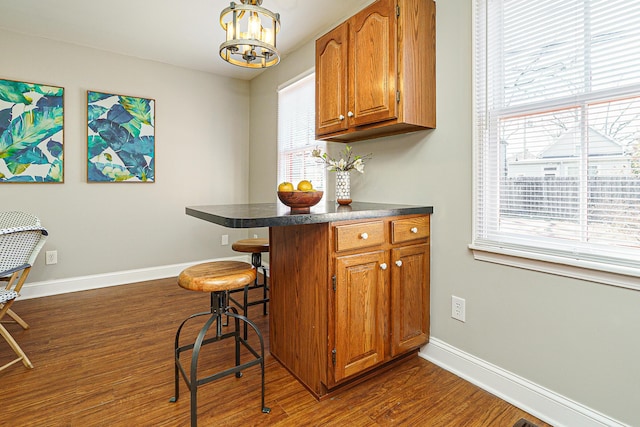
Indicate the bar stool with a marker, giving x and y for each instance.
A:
(217, 278)
(255, 247)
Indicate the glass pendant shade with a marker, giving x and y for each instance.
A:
(250, 35)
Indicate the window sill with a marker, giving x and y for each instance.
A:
(584, 270)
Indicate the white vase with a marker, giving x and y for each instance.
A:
(343, 187)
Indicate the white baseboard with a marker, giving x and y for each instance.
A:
(84, 283)
(540, 402)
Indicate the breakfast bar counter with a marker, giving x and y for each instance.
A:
(256, 215)
(349, 285)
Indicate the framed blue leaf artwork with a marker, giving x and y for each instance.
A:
(31, 132)
(120, 138)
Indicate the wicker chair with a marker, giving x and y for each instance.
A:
(19, 247)
(12, 219)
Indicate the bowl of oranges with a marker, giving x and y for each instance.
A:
(299, 198)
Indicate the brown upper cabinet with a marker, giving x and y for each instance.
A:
(375, 73)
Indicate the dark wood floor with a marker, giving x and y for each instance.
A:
(104, 358)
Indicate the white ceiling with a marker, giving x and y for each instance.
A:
(186, 33)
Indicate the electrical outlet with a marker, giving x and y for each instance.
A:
(225, 240)
(458, 308)
(51, 257)
(255, 236)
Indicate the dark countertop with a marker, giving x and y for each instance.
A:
(256, 215)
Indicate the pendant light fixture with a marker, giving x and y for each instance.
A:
(251, 35)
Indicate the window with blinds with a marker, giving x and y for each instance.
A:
(296, 134)
(557, 131)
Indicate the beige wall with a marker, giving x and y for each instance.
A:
(201, 158)
(578, 339)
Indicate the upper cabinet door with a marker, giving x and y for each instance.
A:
(331, 80)
(373, 58)
(375, 73)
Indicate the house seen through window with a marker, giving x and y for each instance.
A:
(557, 132)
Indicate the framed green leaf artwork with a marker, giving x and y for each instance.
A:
(31, 132)
(120, 138)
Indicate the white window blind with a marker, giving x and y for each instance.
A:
(557, 128)
(296, 134)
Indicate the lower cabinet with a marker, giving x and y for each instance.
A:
(358, 300)
(360, 311)
(409, 297)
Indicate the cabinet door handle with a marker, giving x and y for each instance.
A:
(383, 266)
(399, 263)
(364, 236)
(341, 117)
(350, 114)
(414, 230)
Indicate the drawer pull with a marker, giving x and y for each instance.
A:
(414, 230)
(383, 266)
(364, 236)
(341, 118)
(399, 263)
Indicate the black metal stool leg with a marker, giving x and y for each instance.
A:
(176, 355)
(238, 342)
(245, 307)
(217, 309)
(194, 383)
(265, 288)
(259, 357)
(178, 350)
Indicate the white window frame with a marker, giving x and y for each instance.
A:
(595, 269)
(306, 142)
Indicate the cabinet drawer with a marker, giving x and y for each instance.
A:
(403, 230)
(354, 236)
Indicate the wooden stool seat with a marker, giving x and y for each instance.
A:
(251, 245)
(217, 276)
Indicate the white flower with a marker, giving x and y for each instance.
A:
(346, 163)
(359, 165)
